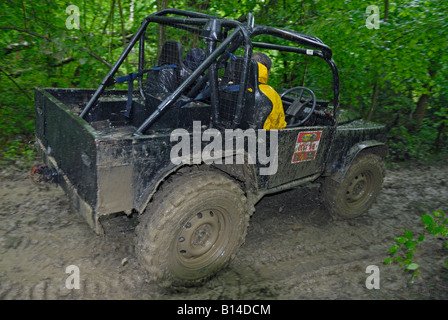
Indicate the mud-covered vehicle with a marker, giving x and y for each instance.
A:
(183, 146)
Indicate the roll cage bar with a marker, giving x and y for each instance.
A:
(215, 30)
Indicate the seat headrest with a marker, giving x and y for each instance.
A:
(171, 53)
(233, 70)
(194, 58)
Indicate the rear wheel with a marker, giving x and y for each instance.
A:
(358, 190)
(193, 229)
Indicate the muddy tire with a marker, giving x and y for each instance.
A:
(193, 228)
(358, 190)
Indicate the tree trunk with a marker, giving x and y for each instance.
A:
(199, 6)
(123, 32)
(441, 137)
(420, 111)
(386, 10)
(376, 89)
(161, 4)
(422, 102)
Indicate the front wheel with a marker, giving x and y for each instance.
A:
(358, 190)
(194, 227)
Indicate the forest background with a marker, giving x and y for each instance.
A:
(394, 72)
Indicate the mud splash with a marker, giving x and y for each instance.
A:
(293, 249)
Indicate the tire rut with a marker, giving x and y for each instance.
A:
(293, 250)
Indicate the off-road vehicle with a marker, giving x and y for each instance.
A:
(111, 150)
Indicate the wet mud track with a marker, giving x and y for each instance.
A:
(293, 250)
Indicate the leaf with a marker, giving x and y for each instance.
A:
(427, 220)
(401, 239)
(410, 245)
(438, 230)
(413, 266)
(393, 249)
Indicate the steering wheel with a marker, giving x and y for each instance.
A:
(302, 106)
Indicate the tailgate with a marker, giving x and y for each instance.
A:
(67, 144)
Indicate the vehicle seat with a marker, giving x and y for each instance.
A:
(258, 106)
(171, 53)
(229, 89)
(165, 77)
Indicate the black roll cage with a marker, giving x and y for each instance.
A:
(215, 31)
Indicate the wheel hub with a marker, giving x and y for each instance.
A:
(198, 235)
(357, 189)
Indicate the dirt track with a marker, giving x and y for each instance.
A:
(292, 251)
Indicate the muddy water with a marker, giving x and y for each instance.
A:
(292, 251)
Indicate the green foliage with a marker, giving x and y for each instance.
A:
(384, 72)
(403, 251)
(406, 145)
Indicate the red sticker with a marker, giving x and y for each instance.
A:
(306, 146)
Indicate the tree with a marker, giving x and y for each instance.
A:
(393, 74)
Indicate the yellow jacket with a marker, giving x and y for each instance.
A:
(276, 119)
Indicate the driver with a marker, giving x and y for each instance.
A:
(276, 119)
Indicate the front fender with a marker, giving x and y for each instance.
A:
(339, 167)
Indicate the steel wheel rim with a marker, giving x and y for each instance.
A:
(202, 238)
(359, 189)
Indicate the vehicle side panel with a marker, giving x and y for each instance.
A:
(349, 140)
(301, 152)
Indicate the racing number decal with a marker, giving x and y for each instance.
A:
(306, 146)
